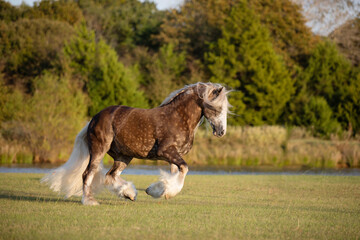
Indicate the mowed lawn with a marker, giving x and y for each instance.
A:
(209, 207)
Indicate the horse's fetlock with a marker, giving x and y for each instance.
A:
(184, 169)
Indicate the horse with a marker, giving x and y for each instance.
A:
(165, 133)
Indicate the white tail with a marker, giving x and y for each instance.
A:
(67, 179)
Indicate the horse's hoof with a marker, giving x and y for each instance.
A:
(156, 190)
(128, 191)
(168, 186)
(133, 199)
(89, 202)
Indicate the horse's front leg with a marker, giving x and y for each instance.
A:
(170, 184)
(118, 185)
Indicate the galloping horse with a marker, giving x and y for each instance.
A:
(162, 133)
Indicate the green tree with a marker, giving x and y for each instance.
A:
(164, 71)
(124, 24)
(80, 52)
(8, 13)
(244, 59)
(348, 108)
(327, 70)
(10, 102)
(318, 116)
(195, 25)
(290, 36)
(30, 46)
(332, 77)
(108, 81)
(111, 83)
(62, 10)
(198, 23)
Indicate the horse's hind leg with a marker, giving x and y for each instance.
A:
(88, 176)
(118, 185)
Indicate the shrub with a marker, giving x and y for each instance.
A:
(49, 120)
(319, 117)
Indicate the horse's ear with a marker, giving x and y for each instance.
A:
(201, 88)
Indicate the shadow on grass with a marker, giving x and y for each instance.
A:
(258, 206)
(24, 197)
(35, 179)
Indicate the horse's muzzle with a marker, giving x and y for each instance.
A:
(218, 132)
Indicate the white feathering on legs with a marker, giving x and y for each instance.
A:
(168, 186)
(121, 187)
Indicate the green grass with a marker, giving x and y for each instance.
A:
(209, 207)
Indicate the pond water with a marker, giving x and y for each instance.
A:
(196, 170)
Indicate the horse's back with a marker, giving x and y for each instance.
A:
(105, 117)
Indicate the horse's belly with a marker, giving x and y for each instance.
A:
(137, 147)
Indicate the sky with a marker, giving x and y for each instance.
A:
(161, 4)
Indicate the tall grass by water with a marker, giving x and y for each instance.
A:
(242, 146)
(273, 146)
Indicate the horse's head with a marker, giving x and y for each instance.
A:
(215, 106)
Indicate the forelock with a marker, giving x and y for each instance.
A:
(220, 101)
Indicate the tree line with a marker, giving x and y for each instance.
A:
(63, 61)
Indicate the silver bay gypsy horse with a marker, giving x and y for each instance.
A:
(162, 133)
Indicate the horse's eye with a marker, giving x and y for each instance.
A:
(215, 92)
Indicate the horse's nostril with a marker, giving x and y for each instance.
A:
(222, 132)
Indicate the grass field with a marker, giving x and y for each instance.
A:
(209, 207)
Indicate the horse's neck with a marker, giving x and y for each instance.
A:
(188, 110)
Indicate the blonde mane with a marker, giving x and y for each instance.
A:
(208, 87)
(176, 93)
